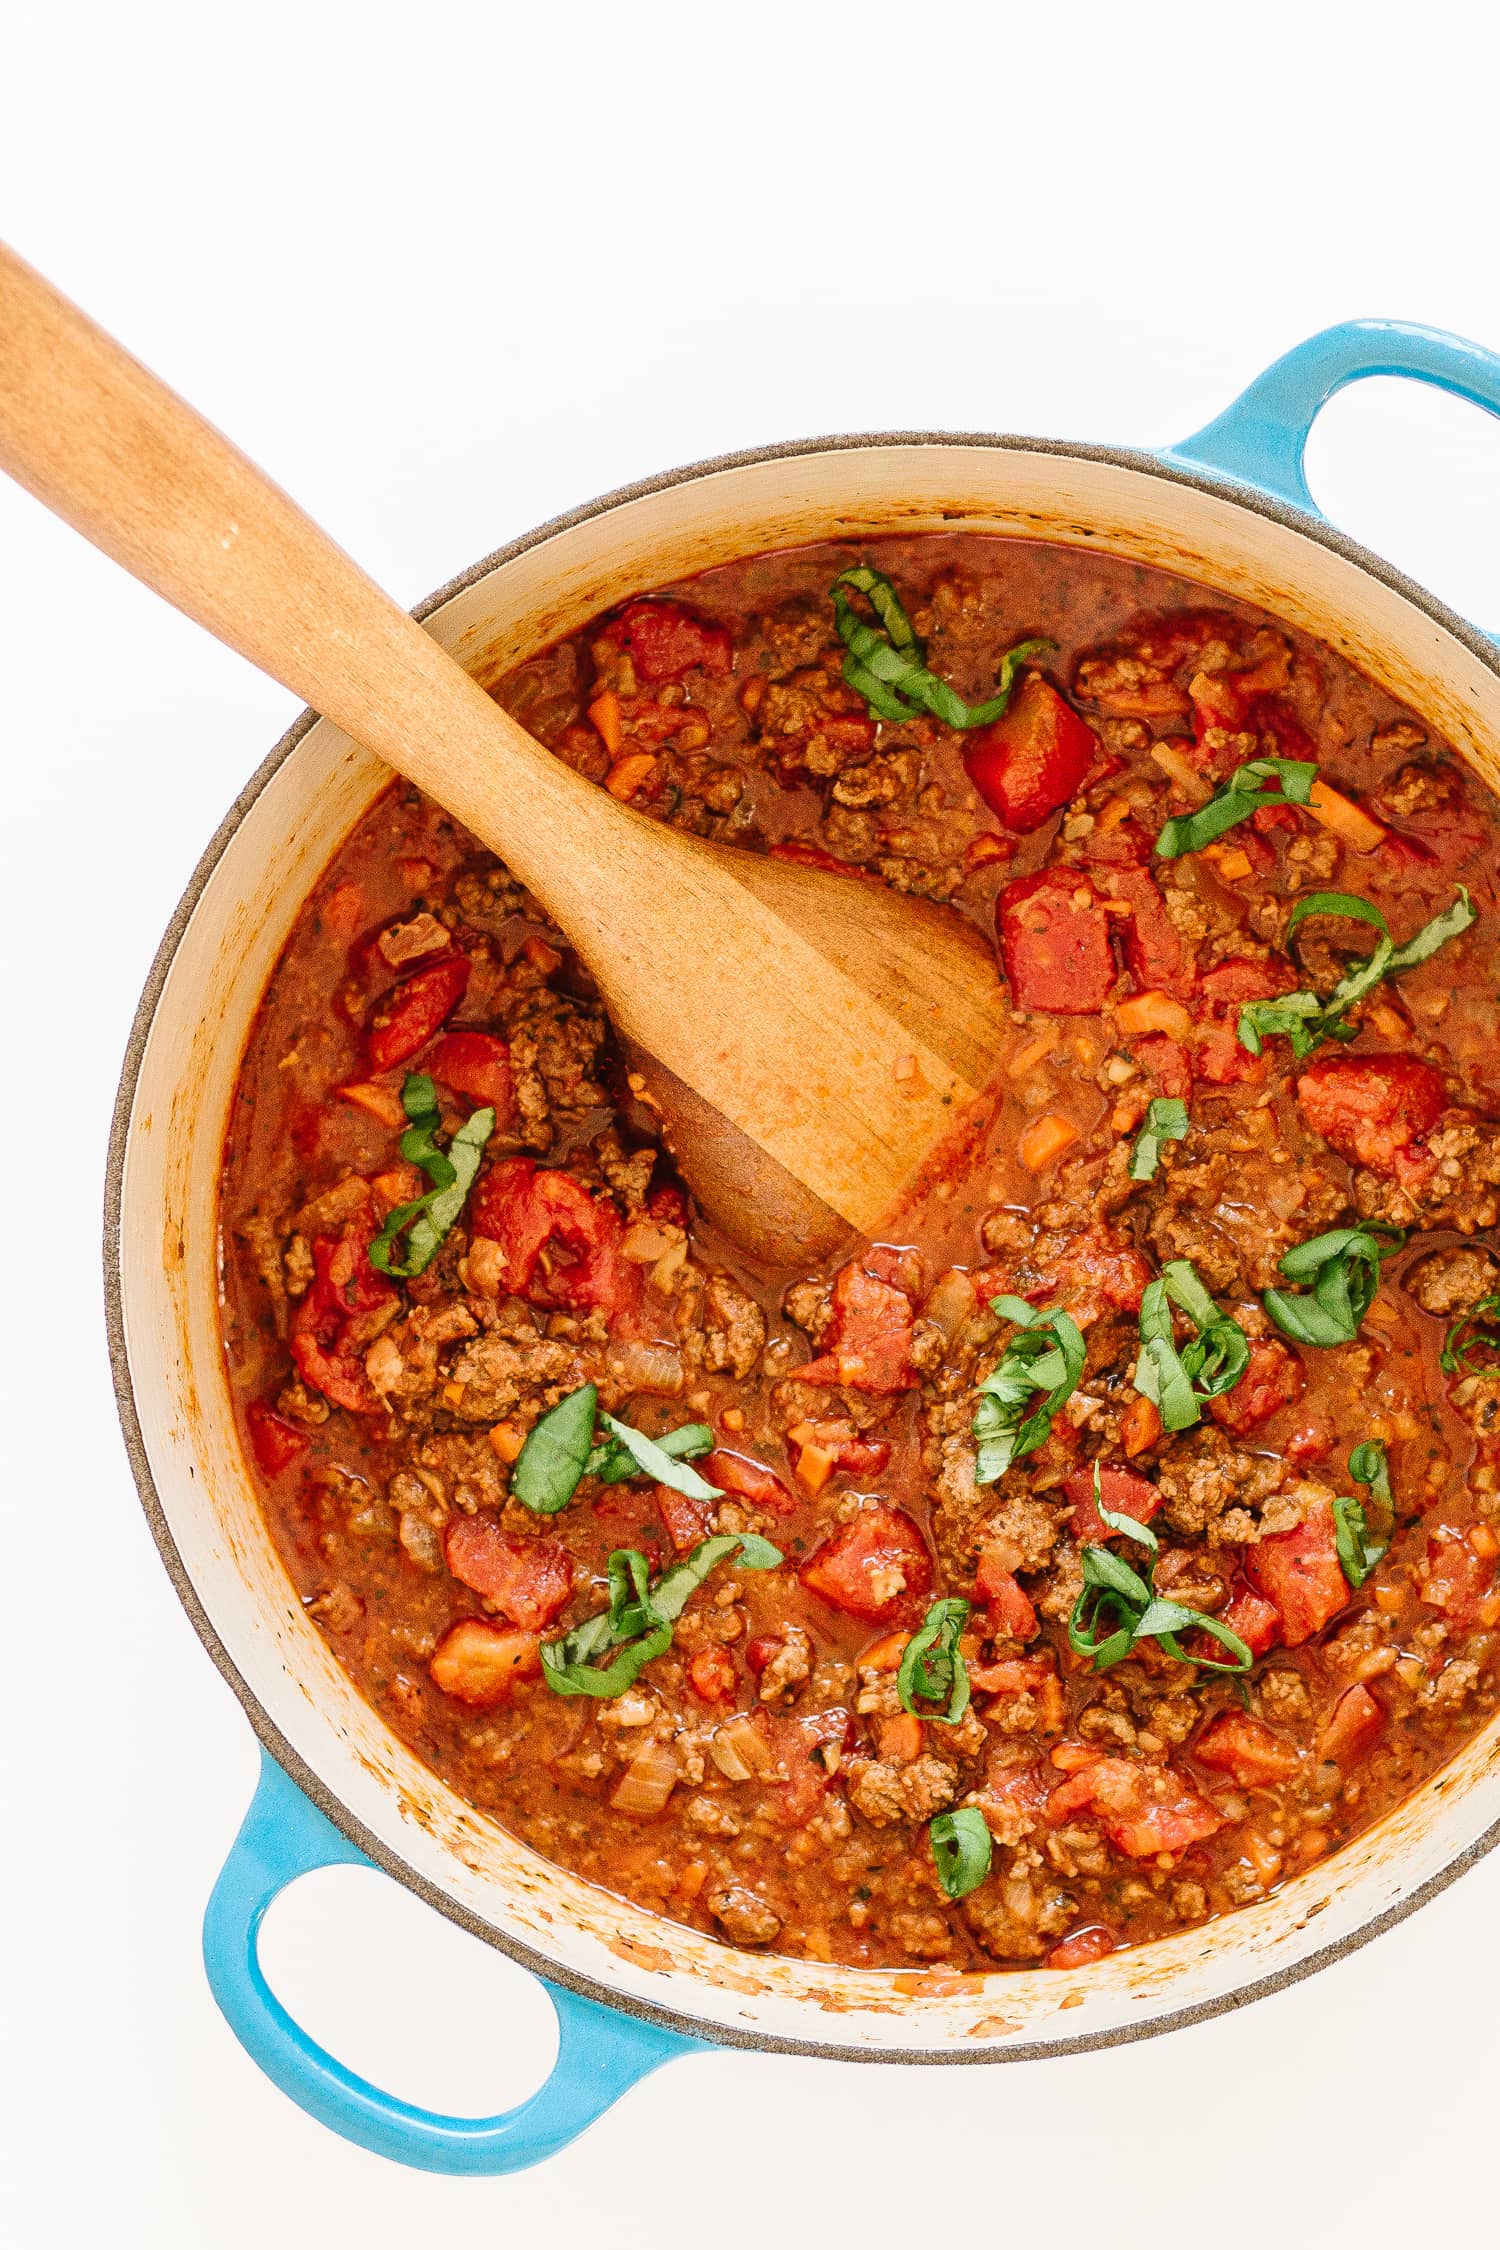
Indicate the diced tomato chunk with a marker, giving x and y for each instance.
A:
(808, 1753)
(666, 639)
(407, 1018)
(1054, 942)
(1257, 1622)
(1120, 1489)
(529, 1580)
(687, 1520)
(1032, 759)
(478, 1663)
(1457, 1579)
(1168, 1062)
(1081, 1947)
(275, 1442)
(1218, 1057)
(1250, 1752)
(868, 1345)
(874, 1566)
(712, 1675)
(1142, 1809)
(1274, 1378)
(1299, 1572)
(1154, 952)
(527, 1211)
(1009, 1612)
(333, 1324)
(750, 1479)
(1372, 1108)
(1355, 1725)
(1097, 1271)
(474, 1064)
(668, 1206)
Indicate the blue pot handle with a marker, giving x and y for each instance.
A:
(601, 2053)
(1261, 437)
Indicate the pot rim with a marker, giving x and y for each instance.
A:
(1255, 501)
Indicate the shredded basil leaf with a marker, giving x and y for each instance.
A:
(1344, 1270)
(556, 1453)
(1369, 1465)
(1477, 1330)
(885, 662)
(654, 1460)
(1244, 793)
(640, 1618)
(1358, 1550)
(931, 1667)
(1304, 1019)
(1126, 1602)
(1176, 1382)
(1166, 1120)
(613, 1461)
(961, 1850)
(1047, 1357)
(431, 1216)
(1362, 1533)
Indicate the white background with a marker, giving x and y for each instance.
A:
(445, 271)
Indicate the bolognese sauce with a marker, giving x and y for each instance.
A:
(1113, 1538)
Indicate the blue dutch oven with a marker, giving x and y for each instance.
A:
(1228, 508)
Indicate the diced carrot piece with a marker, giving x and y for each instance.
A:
(389, 1190)
(1153, 1011)
(507, 1440)
(885, 1654)
(1140, 1426)
(987, 850)
(1044, 1140)
(1232, 863)
(1348, 821)
(382, 1102)
(901, 1738)
(629, 774)
(478, 1663)
(1072, 1757)
(604, 711)
(813, 1462)
(1035, 1050)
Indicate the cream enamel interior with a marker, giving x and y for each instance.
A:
(168, 1284)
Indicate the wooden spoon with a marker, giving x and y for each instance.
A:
(808, 1039)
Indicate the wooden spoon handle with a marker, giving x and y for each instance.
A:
(124, 460)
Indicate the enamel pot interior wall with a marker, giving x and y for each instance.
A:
(180, 1075)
